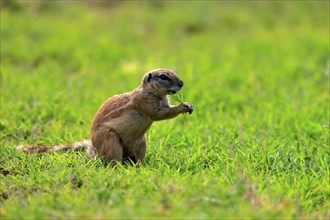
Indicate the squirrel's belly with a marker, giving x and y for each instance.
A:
(130, 125)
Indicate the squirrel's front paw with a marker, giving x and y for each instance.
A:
(188, 107)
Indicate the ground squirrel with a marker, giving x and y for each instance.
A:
(119, 126)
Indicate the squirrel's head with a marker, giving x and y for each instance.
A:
(162, 82)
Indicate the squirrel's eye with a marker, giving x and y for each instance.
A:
(163, 77)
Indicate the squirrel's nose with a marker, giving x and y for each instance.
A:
(180, 83)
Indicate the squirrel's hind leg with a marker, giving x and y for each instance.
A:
(108, 147)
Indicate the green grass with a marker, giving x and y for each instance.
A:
(256, 146)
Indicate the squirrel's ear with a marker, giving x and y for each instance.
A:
(147, 78)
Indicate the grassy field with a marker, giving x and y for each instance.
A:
(256, 146)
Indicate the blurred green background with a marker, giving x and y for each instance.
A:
(256, 146)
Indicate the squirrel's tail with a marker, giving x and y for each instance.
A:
(63, 147)
(80, 145)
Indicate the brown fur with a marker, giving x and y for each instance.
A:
(119, 126)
